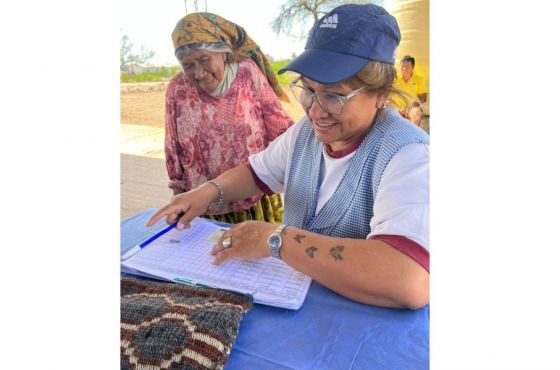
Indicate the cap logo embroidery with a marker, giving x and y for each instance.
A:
(330, 22)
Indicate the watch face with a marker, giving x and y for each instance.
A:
(275, 241)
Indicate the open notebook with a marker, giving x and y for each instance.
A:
(184, 257)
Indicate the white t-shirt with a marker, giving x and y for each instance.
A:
(402, 201)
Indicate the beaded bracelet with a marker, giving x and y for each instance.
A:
(216, 206)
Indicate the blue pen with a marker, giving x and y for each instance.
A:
(129, 253)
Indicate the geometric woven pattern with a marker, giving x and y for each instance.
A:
(173, 326)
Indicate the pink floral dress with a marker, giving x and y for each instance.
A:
(206, 135)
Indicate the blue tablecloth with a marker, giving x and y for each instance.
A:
(327, 332)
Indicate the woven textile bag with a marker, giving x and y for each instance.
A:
(172, 326)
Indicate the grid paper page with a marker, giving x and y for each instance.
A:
(186, 255)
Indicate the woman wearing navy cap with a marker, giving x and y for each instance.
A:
(354, 174)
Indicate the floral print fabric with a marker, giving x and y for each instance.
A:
(205, 136)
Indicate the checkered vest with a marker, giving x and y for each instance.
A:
(348, 212)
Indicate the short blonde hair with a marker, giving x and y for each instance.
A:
(378, 77)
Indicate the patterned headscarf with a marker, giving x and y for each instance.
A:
(208, 27)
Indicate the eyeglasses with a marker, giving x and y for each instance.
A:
(331, 103)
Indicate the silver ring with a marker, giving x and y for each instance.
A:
(226, 243)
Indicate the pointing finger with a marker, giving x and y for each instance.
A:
(169, 209)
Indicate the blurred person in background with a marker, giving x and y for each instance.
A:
(412, 85)
(415, 114)
(221, 108)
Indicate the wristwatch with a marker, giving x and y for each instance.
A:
(275, 241)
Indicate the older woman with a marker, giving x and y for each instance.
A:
(354, 173)
(222, 108)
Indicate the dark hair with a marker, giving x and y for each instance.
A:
(408, 58)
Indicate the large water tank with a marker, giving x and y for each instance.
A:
(413, 17)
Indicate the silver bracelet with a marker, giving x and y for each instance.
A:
(217, 205)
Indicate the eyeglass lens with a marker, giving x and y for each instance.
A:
(329, 102)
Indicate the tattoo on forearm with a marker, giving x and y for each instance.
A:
(311, 251)
(298, 238)
(336, 251)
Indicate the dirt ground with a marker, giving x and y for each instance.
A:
(143, 104)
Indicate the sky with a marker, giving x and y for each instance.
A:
(149, 23)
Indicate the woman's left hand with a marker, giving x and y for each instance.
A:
(248, 241)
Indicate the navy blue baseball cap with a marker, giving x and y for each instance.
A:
(342, 42)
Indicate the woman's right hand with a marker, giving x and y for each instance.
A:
(185, 207)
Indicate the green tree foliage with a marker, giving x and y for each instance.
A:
(283, 79)
(155, 74)
(129, 56)
(302, 11)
